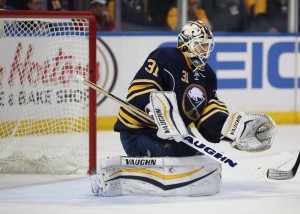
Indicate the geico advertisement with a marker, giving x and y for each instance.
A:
(37, 77)
(255, 73)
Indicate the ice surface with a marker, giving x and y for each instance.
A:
(71, 194)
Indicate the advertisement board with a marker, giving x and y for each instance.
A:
(34, 75)
(255, 73)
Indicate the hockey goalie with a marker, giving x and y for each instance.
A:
(177, 87)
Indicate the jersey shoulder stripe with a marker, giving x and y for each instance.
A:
(145, 81)
(139, 94)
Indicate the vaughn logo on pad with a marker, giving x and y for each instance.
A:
(139, 161)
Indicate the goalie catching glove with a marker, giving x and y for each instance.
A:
(249, 131)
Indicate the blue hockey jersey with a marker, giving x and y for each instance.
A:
(168, 69)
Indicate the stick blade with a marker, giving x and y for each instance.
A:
(276, 174)
(274, 163)
(284, 175)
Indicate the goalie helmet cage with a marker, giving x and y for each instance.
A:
(47, 116)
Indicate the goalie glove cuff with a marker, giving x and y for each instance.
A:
(233, 124)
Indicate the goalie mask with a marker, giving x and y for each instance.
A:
(196, 41)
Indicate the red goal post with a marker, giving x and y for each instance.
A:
(48, 117)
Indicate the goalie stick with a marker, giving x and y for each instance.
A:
(204, 146)
(284, 175)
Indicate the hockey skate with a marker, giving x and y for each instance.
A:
(96, 186)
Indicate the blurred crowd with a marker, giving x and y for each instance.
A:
(163, 15)
(31, 4)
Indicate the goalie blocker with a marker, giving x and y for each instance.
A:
(165, 176)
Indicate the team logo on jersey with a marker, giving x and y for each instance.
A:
(194, 101)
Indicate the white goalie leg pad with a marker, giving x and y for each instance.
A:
(249, 131)
(166, 115)
(166, 176)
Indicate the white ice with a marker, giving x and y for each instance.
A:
(66, 194)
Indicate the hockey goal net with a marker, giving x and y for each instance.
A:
(47, 116)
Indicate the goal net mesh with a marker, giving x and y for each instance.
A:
(43, 108)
